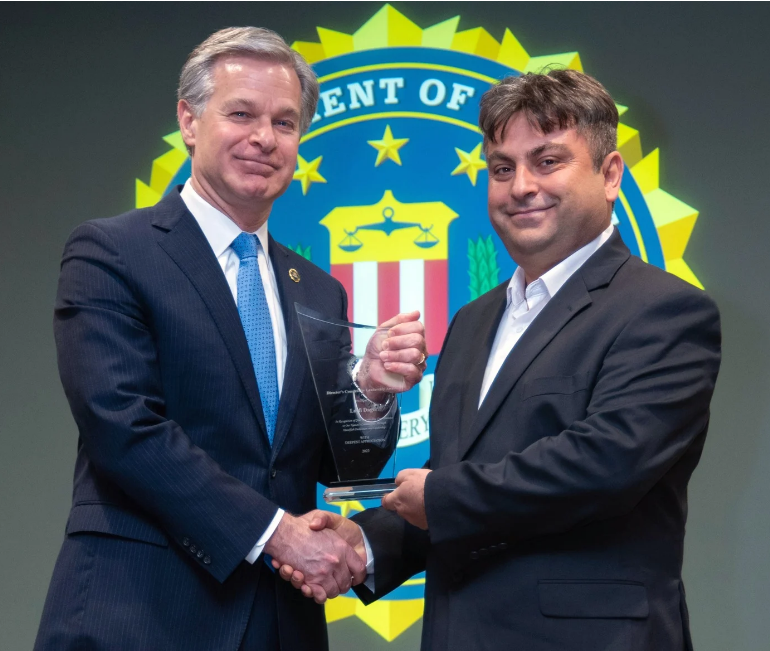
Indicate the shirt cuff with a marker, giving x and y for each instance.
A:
(257, 549)
(369, 582)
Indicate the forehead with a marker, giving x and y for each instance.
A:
(520, 135)
(521, 131)
(247, 72)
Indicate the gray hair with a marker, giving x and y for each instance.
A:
(557, 99)
(196, 83)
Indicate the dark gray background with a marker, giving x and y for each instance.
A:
(87, 92)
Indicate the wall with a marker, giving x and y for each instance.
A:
(87, 91)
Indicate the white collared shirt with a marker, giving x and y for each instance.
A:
(524, 303)
(220, 231)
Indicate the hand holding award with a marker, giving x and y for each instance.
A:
(356, 394)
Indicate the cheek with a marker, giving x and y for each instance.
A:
(289, 151)
(497, 195)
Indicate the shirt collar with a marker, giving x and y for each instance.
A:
(219, 229)
(554, 278)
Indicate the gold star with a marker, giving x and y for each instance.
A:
(470, 163)
(388, 147)
(307, 173)
(349, 507)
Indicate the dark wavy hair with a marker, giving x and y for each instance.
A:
(557, 99)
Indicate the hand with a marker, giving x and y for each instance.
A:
(348, 530)
(395, 357)
(328, 563)
(408, 500)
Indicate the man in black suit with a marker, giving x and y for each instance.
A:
(570, 409)
(183, 362)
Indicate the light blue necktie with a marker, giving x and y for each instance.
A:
(255, 317)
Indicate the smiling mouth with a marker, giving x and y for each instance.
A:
(252, 161)
(528, 211)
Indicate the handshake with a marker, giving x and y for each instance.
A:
(321, 553)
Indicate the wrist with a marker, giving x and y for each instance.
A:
(282, 536)
(368, 394)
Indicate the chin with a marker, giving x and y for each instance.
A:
(533, 242)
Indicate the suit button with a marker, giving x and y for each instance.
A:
(492, 549)
(193, 548)
(474, 556)
(200, 553)
(502, 546)
(484, 551)
(273, 473)
(186, 542)
(207, 560)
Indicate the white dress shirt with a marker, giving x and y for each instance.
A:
(220, 231)
(526, 302)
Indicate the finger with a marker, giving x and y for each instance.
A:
(275, 564)
(402, 476)
(357, 570)
(285, 572)
(399, 342)
(331, 587)
(342, 577)
(409, 327)
(319, 594)
(297, 578)
(401, 318)
(307, 591)
(414, 356)
(389, 502)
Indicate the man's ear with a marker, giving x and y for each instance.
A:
(187, 122)
(612, 170)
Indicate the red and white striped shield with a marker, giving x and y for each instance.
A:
(392, 257)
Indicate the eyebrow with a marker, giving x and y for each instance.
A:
(554, 147)
(239, 103)
(497, 157)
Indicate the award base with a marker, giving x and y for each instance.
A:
(362, 489)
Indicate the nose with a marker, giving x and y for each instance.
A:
(523, 183)
(262, 135)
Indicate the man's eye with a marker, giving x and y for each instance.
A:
(288, 124)
(239, 114)
(548, 162)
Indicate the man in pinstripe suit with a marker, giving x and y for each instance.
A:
(184, 481)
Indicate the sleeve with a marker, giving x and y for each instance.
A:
(109, 368)
(399, 551)
(649, 403)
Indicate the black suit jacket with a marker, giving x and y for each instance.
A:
(557, 509)
(175, 479)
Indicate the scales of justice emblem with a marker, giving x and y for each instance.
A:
(392, 257)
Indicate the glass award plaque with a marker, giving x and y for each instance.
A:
(362, 420)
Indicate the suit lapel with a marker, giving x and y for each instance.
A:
(289, 291)
(482, 330)
(182, 239)
(571, 299)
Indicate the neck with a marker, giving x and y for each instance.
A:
(536, 264)
(248, 219)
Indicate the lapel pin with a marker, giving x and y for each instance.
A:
(294, 275)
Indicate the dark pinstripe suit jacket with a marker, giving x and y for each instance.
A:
(175, 480)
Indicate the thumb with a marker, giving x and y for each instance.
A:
(322, 520)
